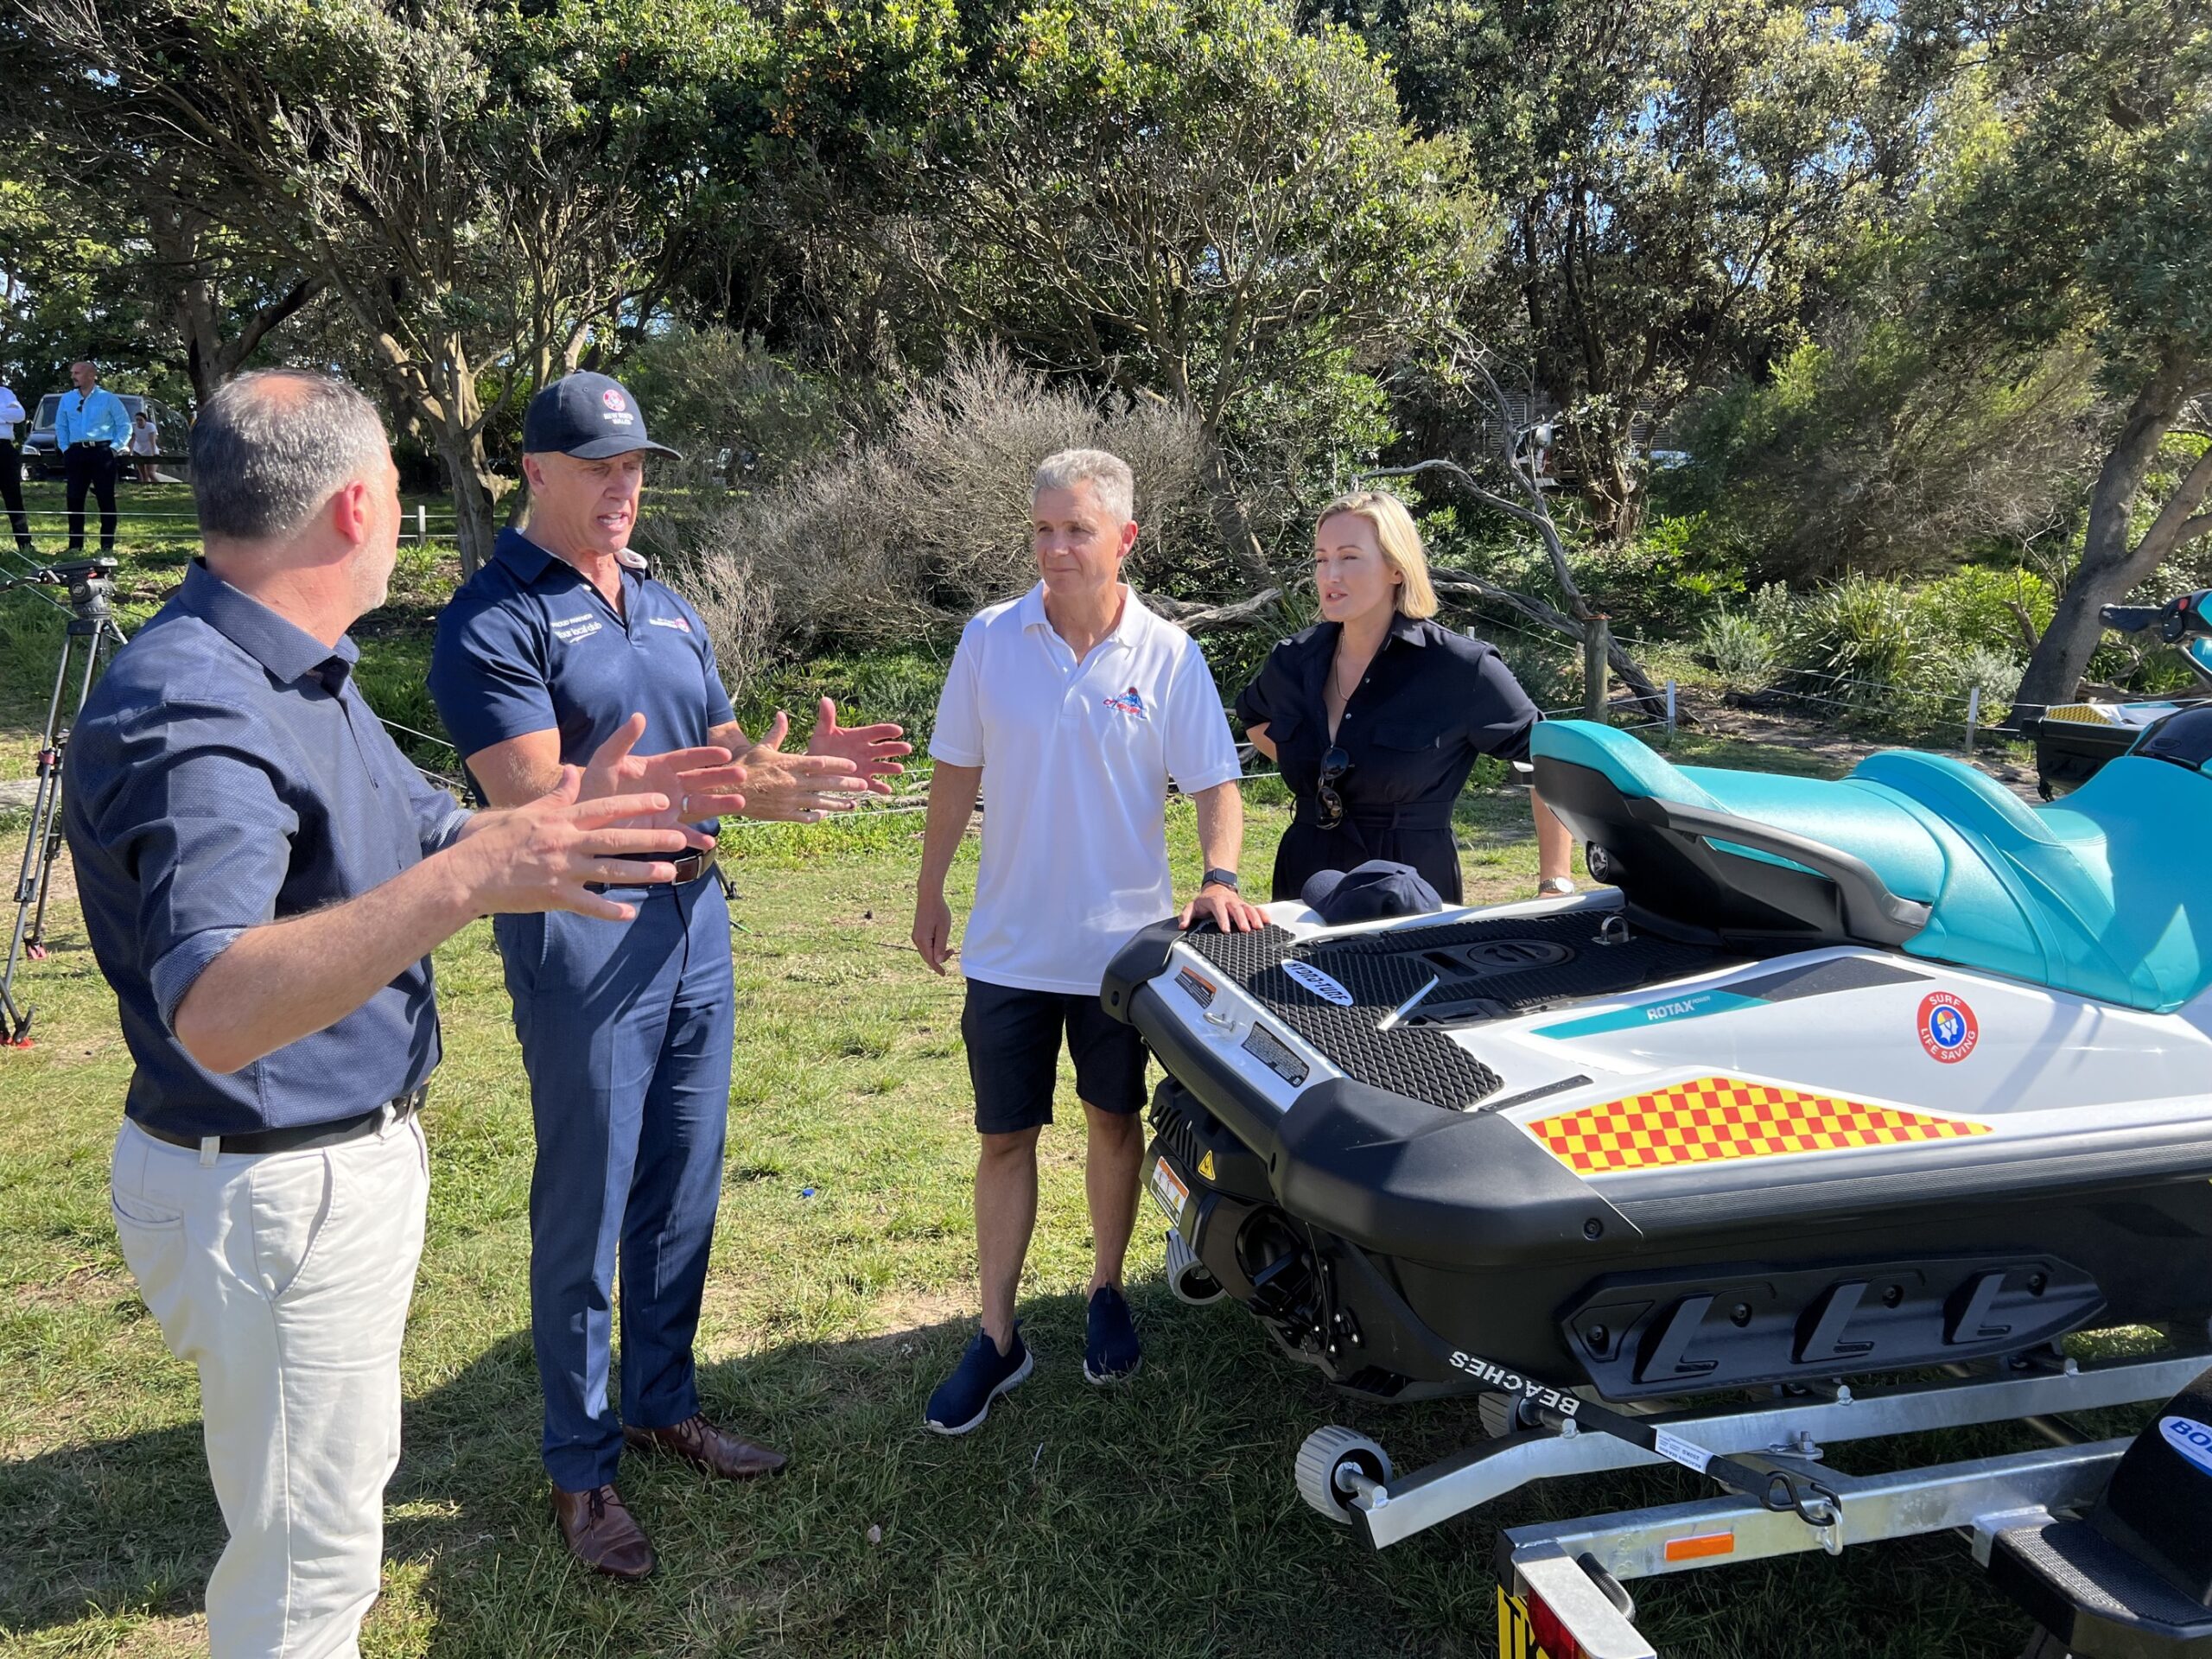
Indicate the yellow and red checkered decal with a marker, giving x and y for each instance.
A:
(1715, 1118)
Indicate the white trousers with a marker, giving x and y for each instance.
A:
(285, 1278)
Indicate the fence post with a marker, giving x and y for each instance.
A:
(1973, 715)
(421, 523)
(1670, 713)
(1597, 640)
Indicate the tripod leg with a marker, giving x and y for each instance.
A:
(58, 746)
(31, 884)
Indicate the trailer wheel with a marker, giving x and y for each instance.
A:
(2043, 1645)
(1187, 1277)
(1499, 1413)
(1326, 1462)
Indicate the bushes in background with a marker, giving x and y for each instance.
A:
(898, 536)
(1872, 647)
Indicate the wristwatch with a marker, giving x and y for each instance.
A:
(1220, 878)
(1555, 886)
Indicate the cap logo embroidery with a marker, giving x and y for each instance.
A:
(613, 398)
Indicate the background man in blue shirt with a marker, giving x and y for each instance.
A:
(91, 429)
(264, 876)
(625, 1028)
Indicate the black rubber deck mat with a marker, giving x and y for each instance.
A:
(1512, 963)
(1417, 1063)
(1586, 968)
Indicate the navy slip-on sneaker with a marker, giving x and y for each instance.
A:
(1110, 1353)
(963, 1400)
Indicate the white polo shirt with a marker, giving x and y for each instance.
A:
(1076, 759)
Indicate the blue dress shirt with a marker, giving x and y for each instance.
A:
(528, 645)
(96, 417)
(226, 772)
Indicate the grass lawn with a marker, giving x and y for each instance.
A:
(1158, 1518)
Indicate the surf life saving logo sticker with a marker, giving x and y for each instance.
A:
(1712, 1118)
(1320, 984)
(1130, 703)
(1948, 1030)
(2191, 1438)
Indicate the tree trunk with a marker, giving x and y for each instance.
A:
(1609, 481)
(447, 408)
(1231, 523)
(474, 521)
(2109, 567)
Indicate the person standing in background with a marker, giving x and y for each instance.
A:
(145, 444)
(90, 429)
(11, 466)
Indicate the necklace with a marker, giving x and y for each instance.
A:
(1337, 678)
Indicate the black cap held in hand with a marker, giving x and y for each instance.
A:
(589, 416)
(1369, 892)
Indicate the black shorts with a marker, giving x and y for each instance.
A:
(1014, 1055)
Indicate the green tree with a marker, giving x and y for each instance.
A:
(1192, 200)
(2083, 208)
(489, 191)
(1677, 178)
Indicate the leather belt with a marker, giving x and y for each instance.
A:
(689, 868)
(305, 1138)
(1417, 815)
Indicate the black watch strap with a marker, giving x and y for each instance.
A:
(1220, 878)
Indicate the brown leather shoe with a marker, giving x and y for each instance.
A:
(710, 1450)
(600, 1531)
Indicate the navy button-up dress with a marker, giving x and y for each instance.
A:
(1431, 703)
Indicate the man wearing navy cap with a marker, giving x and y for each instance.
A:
(626, 1027)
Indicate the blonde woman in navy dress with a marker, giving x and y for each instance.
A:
(1377, 714)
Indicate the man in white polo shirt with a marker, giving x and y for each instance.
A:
(1071, 707)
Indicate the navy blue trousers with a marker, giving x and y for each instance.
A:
(626, 1029)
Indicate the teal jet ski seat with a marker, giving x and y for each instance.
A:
(2097, 894)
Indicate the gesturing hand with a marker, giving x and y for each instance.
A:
(539, 857)
(797, 788)
(699, 783)
(874, 750)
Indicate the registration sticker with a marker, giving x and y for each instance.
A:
(1516, 1633)
(1167, 1187)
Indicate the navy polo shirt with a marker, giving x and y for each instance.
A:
(528, 645)
(226, 772)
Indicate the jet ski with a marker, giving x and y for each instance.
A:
(1829, 1078)
(2072, 740)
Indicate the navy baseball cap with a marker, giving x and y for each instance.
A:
(1369, 893)
(590, 417)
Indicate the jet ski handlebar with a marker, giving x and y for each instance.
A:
(2185, 617)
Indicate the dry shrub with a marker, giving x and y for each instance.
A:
(911, 531)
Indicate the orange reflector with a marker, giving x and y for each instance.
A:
(1703, 1545)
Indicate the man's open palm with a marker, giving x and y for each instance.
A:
(701, 783)
(874, 750)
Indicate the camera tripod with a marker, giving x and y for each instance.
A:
(91, 638)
